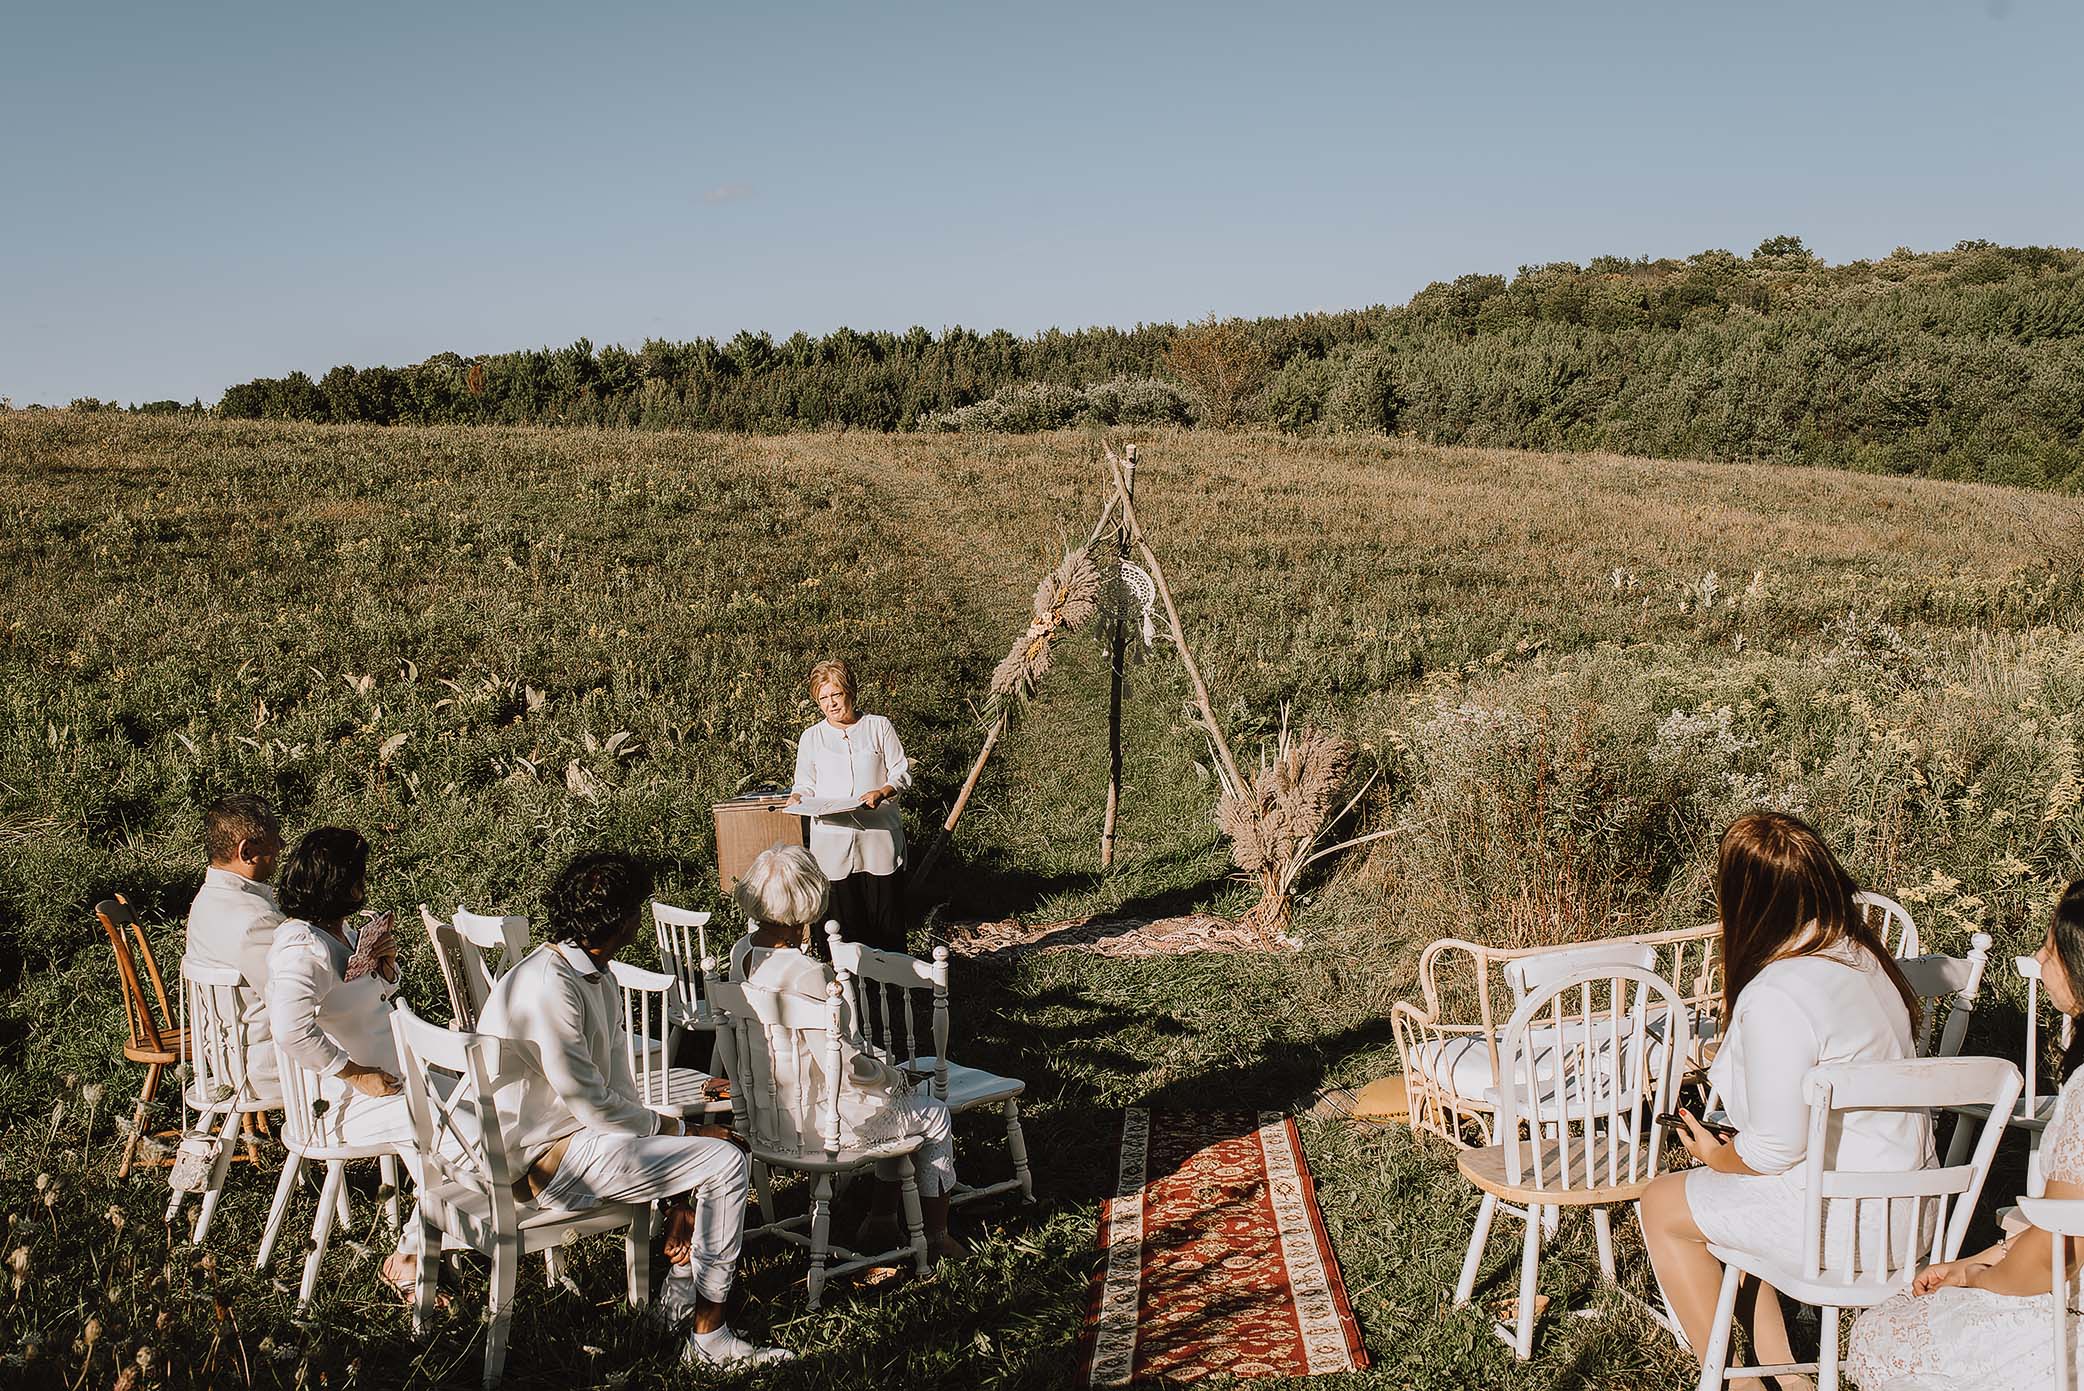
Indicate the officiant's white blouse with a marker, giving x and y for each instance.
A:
(848, 763)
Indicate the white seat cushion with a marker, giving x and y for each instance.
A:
(1462, 1065)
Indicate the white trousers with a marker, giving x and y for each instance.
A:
(925, 1115)
(600, 1167)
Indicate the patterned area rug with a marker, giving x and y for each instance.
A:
(1215, 1257)
(1012, 939)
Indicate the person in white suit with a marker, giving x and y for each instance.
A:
(232, 922)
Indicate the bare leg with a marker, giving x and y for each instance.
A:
(1758, 1310)
(1692, 1279)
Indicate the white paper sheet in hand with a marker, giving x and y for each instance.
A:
(824, 806)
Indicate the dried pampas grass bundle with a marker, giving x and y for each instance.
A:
(1275, 821)
(1066, 600)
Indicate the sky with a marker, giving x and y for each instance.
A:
(195, 195)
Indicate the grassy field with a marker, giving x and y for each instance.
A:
(1570, 670)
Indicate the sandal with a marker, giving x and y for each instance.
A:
(407, 1288)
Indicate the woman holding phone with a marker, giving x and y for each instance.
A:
(854, 758)
(1806, 981)
(330, 1003)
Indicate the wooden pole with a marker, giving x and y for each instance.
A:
(1117, 646)
(962, 799)
(1179, 635)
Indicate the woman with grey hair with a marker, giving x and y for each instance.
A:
(783, 895)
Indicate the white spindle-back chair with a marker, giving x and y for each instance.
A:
(1892, 920)
(2062, 1219)
(1947, 986)
(683, 945)
(304, 1136)
(652, 1024)
(473, 950)
(1592, 1059)
(468, 1172)
(214, 1047)
(768, 1040)
(1863, 1268)
(2033, 1110)
(892, 1035)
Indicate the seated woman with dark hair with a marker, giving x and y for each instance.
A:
(783, 895)
(336, 1028)
(1982, 1323)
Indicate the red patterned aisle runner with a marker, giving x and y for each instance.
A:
(1215, 1256)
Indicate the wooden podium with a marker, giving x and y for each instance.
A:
(745, 826)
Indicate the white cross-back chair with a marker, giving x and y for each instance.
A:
(892, 1034)
(652, 1025)
(2032, 1112)
(1947, 987)
(2062, 1219)
(304, 1136)
(767, 1040)
(474, 950)
(468, 1173)
(1863, 1268)
(219, 1090)
(683, 947)
(1587, 1076)
(1891, 919)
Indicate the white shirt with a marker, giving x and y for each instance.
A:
(849, 763)
(1799, 1013)
(575, 1076)
(232, 924)
(322, 1020)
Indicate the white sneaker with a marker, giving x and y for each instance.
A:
(723, 1348)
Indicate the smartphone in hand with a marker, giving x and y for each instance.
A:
(1671, 1121)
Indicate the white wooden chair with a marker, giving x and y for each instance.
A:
(2063, 1219)
(1892, 920)
(1947, 986)
(1858, 1274)
(468, 1171)
(2033, 1111)
(683, 947)
(652, 1023)
(473, 950)
(962, 1088)
(767, 1040)
(303, 1135)
(1587, 1078)
(213, 1034)
(1450, 1039)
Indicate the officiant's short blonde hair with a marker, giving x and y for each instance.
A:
(784, 888)
(836, 671)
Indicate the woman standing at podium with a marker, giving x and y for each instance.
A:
(849, 757)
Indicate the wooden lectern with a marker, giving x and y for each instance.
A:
(745, 826)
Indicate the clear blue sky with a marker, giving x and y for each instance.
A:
(193, 195)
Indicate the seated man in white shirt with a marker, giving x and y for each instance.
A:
(233, 919)
(576, 1116)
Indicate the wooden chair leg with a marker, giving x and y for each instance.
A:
(1530, 1269)
(1603, 1239)
(820, 1237)
(506, 1276)
(1017, 1147)
(636, 1265)
(321, 1229)
(146, 1095)
(387, 1170)
(220, 1170)
(1715, 1357)
(1827, 1351)
(292, 1165)
(915, 1224)
(1465, 1286)
(427, 1277)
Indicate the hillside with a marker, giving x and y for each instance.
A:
(1571, 668)
(1966, 363)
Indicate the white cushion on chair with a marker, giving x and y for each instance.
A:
(1462, 1066)
(1526, 974)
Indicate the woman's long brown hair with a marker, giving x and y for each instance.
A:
(1774, 877)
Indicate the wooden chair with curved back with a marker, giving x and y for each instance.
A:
(154, 1039)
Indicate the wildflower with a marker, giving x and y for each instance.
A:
(115, 1216)
(91, 1093)
(18, 1265)
(91, 1334)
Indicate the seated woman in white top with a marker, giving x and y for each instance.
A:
(1806, 981)
(1982, 1323)
(783, 895)
(336, 1028)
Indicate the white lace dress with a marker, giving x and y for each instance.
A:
(1959, 1339)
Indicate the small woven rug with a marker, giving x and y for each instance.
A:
(1012, 939)
(1214, 1257)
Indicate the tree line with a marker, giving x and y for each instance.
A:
(1965, 363)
